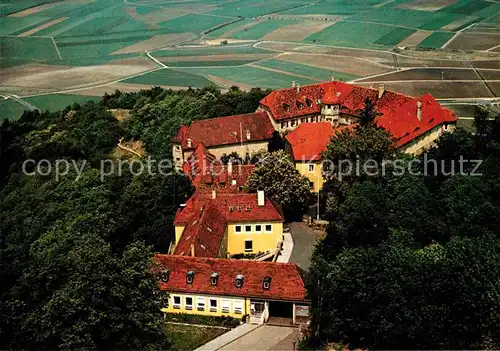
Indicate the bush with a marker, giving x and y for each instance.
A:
(220, 321)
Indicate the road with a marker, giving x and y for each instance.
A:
(266, 337)
(304, 240)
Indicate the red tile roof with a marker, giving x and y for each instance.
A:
(309, 140)
(207, 173)
(205, 219)
(399, 112)
(286, 281)
(204, 231)
(245, 208)
(226, 130)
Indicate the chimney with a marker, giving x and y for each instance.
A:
(248, 134)
(293, 84)
(381, 89)
(192, 250)
(214, 195)
(230, 168)
(260, 198)
(332, 78)
(298, 87)
(189, 142)
(419, 110)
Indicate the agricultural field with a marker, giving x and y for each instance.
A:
(90, 46)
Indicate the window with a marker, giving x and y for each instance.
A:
(225, 305)
(248, 245)
(304, 120)
(200, 303)
(233, 182)
(282, 124)
(248, 228)
(309, 103)
(313, 119)
(177, 302)
(311, 185)
(178, 148)
(213, 305)
(293, 123)
(237, 228)
(258, 228)
(311, 168)
(188, 302)
(178, 159)
(238, 306)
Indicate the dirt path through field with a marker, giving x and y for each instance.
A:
(156, 42)
(228, 83)
(43, 26)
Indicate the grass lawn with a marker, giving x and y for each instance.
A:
(55, 102)
(184, 337)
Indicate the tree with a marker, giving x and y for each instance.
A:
(281, 181)
(368, 114)
(276, 143)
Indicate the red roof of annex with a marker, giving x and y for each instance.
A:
(286, 281)
(309, 140)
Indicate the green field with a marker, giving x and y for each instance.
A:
(305, 70)
(395, 36)
(196, 23)
(10, 25)
(335, 7)
(261, 29)
(230, 27)
(435, 40)
(54, 102)
(172, 78)
(27, 48)
(352, 34)
(251, 75)
(208, 63)
(11, 110)
(203, 51)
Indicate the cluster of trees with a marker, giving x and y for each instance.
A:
(76, 250)
(410, 259)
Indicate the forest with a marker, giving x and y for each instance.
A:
(76, 255)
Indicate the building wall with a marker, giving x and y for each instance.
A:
(233, 302)
(315, 177)
(178, 232)
(292, 123)
(425, 141)
(261, 241)
(177, 155)
(223, 246)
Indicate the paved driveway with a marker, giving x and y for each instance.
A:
(304, 240)
(265, 337)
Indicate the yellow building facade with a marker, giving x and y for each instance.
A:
(254, 237)
(208, 305)
(312, 170)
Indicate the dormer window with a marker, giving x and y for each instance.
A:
(164, 275)
(214, 278)
(247, 208)
(309, 103)
(190, 277)
(300, 105)
(239, 208)
(286, 107)
(266, 283)
(239, 281)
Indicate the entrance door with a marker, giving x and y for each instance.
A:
(256, 310)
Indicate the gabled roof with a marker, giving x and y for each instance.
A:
(399, 112)
(206, 173)
(205, 232)
(286, 281)
(244, 208)
(309, 140)
(226, 130)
